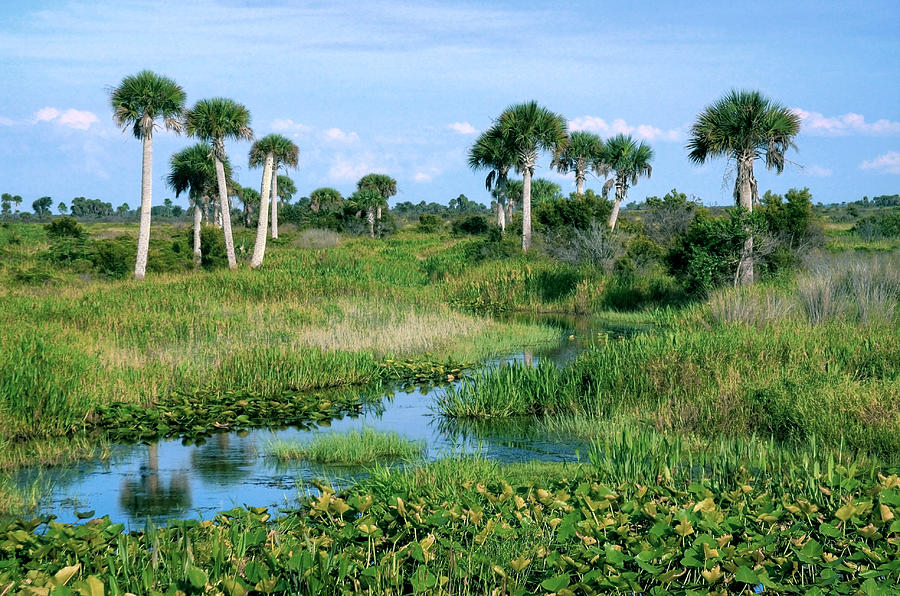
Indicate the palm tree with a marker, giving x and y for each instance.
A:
(529, 128)
(286, 188)
(263, 152)
(138, 102)
(629, 160)
(744, 126)
(491, 152)
(368, 199)
(585, 150)
(213, 121)
(286, 154)
(383, 184)
(193, 170)
(325, 198)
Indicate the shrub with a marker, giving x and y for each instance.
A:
(212, 245)
(430, 223)
(64, 227)
(595, 246)
(113, 258)
(582, 212)
(474, 225)
(880, 225)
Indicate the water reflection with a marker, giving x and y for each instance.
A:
(147, 495)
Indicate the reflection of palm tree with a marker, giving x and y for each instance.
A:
(146, 496)
(218, 462)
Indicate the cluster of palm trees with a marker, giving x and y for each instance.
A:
(201, 170)
(522, 131)
(742, 125)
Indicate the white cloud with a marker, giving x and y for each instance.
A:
(463, 128)
(889, 163)
(72, 118)
(339, 136)
(46, 114)
(349, 169)
(426, 174)
(619, 126)
(288, 126)
(77, 119)
(4, 121)
(818, 124)
(818, 171)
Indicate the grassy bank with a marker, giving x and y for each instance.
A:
(366, 446)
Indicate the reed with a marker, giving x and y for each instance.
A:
(365, 446)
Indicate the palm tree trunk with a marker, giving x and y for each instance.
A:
(378, 213)
(744, 186)
(198, 217)
(259, 249)
(274, 175)
(501, 217)
(275, 201)
(225, 208)
(620, 193)
(579, 181)
(526, 209)
(509, 210)
(143, 245)
(370, 215)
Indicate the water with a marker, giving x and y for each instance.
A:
(169, 480)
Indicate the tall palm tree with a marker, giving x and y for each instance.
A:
(286, 154)
(584, 151)
(383, 184)
(213, 121)
(193, 170)
(629, 160)
(491, 152)
(263, 152)
(138, 102)
(528, 129)
(744, 126)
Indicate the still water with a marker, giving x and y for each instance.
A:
(169, 480)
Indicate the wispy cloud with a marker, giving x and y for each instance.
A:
(889, 163)
(339, 136)
(603, 128)
(818, 171)
(850, 123)
(463, 128)
(288, 126)
(71, 118)
(426, 174)
(4, 121)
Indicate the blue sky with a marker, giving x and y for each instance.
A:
(403, 88)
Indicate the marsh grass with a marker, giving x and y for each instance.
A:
(365, 446)
(310, 319)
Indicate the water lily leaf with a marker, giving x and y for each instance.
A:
(65, 574)
(197, 577)
(746, 575)
(555, 584)
(85, 514)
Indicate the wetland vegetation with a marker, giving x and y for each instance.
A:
(743, 439)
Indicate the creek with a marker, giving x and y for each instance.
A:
(171, 480)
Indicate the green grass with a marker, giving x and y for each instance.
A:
(350, 448)
(310, 319)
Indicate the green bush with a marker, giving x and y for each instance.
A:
(474, 225)
(430, 223)
(885, 224)
(113, 258)
(578, 211)
(64, 227)
(706, 256)
(212, 245)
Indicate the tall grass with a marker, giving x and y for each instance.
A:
(365, 446)
(307, 320)
(836, 382)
